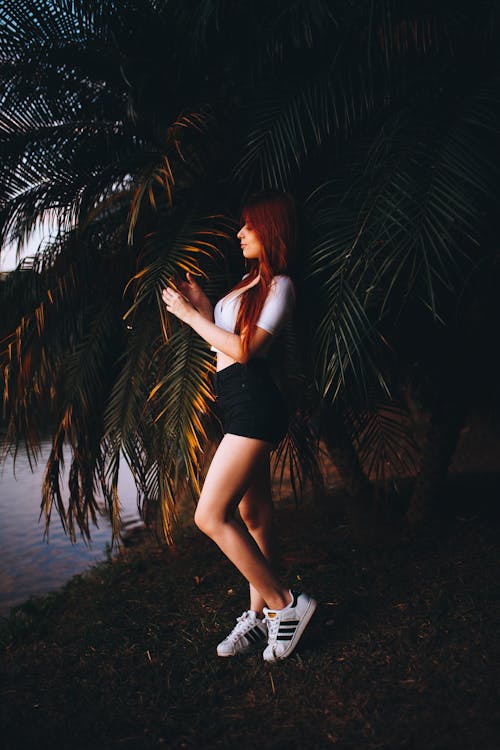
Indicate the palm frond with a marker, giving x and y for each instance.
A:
(179, 244)
(329, 95)
(297, 458)
(180, 161)
(405, 228)
(180, 404)
(288, 126)
(383, 438)
(89, 373)
(428, 211)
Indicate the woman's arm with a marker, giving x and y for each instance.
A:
(226, 342)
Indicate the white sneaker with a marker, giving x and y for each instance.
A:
(249, 632)
(285, 626)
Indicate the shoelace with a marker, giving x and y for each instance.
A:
(241, 627)
(273, 625)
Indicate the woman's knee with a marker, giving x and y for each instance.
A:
(207, 522)
(201, 519)
(257, 516)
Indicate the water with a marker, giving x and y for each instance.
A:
(29, 565)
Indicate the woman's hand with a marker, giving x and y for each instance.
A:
(177, 304)
(192, 291)
(195, 294)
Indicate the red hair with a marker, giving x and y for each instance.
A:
(273, 216)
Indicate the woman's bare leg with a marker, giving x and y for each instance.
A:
(256, 511)
(228, 478)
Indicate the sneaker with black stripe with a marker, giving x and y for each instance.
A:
(285, 626)
(248, 633)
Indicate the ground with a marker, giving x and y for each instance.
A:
(402, 652)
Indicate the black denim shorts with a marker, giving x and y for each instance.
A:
(250, 403)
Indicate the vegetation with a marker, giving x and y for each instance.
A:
(138, 127)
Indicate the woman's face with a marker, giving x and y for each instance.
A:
(250, 241)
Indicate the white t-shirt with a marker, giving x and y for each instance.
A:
(276, 311)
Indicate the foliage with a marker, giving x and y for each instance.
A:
(139, 127)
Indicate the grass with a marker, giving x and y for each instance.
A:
(401, 653)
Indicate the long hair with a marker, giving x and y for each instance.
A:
(273, 215)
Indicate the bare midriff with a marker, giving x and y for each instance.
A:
(224, 360)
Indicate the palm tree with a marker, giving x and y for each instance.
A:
(141, 125)
(77, 145)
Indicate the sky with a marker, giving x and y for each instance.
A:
(8, 260)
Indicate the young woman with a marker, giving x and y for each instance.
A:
(241, 329)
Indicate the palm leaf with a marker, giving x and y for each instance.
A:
(383, 437)
(180, 400)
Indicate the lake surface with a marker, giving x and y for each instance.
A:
(31, 565)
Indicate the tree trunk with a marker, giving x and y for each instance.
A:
(439, 444)
(361, 505)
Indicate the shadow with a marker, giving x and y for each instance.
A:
(471, 495)
(401, 575)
